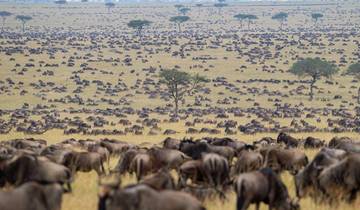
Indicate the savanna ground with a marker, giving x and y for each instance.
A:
(88, 43)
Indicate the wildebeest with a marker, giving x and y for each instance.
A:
(216, 169)
(341, 179)
(247, 161)
(84, 162)
(288, 140)
(142, 197)
(291, 160)
(162, 180)
(193, 170)
(25, 168)
(32, 196)
(142, 165)
(262, 186)
(311, 142)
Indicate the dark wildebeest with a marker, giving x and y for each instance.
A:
(306, 181)
(311, 142)
(337, 140)
(262, 186)
(32, 196)
(193, 170)
(142, 197)
(25, 168)
(194, 149)
(216, 169)
(342, 179)
(291, 160)
(288, 140)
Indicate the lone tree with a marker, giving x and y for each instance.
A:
(316, 17)
(179, 19)
(354, 70)
(109, 6)
(281, 17)
(4, 15)
(23, 19)
(248, 17)
(60, 2)
(138, 25)
(220, 6)
(314, 68)
(199, 7)
(184, 10)
(179, 84)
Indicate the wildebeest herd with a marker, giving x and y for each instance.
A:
(249, 135)
(181, 174)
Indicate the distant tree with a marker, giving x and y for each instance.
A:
(314, 68)
(354, 70)
(4, 15)
(199, 7)
(221, 1)
(60, 2)
(248, 17)
(109, 5)
(316, 17)
(281, 17)
(178, 6)
(179, 20)
(84, 1)
(220, 6)
(138, 25)
(23, 19)
(184, 10)
(179, 84)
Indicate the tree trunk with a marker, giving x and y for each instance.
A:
(179, 27)
(3, 24)
(312, 89)
(23, 27)
(176, 107)
(358, 98)
(249, 25)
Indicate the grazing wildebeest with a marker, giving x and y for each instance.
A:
(288, 140)
(216, 169)
(142, 197)
(262, 186)
(25, 168)
(337, 140)
(291, 160)
(306, 181)
(341, 179)
(32, 196)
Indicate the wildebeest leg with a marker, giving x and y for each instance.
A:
(352, 195)
(257, 206)
(69, 187)
(102, 167)
(242, 204)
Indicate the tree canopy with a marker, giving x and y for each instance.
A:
(281, 16)
(179, 19)
(179, 84)
(138, 24)
(109, 5)
(60, 2)
(314, 68)
(316, 16)
(184, 10)
(5, 14)
(354, 70)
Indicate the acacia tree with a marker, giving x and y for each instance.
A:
(23, 19)
(4, 15)
(179, 19)
(179, 84)
(199, 7)
(248, 17)
(241, 18)
(316, 17)
(60, 2)
(184, 10)
(354, 70)
(138, 25)
(314, 68)
(109, 6)
(281, 17)
(220, 6)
